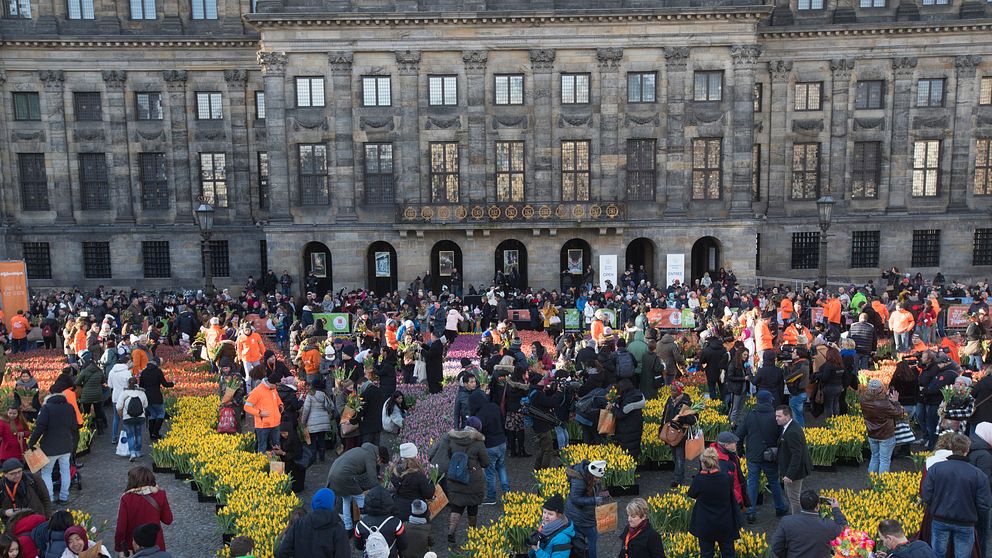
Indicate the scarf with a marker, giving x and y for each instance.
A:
(632, 533)
(553, 527)
(142, 490)
(31, 384)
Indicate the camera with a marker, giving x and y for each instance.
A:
(534, 539)
(787, 353)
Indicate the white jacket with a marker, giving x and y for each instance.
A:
(392, 423)
(117, 380)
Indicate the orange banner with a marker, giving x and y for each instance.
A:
(261, 324)
(957, 316)
(13, 288)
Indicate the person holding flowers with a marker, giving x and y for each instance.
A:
(956, 408)
(409, 480)
(265, 407)
(354, 473)
(678, 412)
(465, 494)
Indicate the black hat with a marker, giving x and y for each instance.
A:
(555, 503)
(146, 535)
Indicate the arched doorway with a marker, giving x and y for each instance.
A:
(317, 258)
(575, 259)
(446, 267)
(640, 255)
(511, 260)
(705, 258)
(381, 267)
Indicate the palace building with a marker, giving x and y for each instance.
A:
(374, 140)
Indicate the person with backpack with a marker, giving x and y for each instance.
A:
(583, 497)
(91, 379)
(556, 535)
(131, 407)
(49, 537)
(380, 534)
(117, 379)
(626, 363)
(462, 455)
(495, 440)
(317, 417)
(318, 534)
(417, 530)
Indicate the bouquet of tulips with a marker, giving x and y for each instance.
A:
(853, 543)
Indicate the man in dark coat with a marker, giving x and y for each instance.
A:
(370, 425)
(58, 430)
(319, 534)
(629, 417)
(759, 432)
(805, 534)
(152, 380)
(770, 377)
(354, 472)
(957, 494)
(23, 490)
(713, 359)
(652, 372)
(794, 462)
(433, 355)
(492, 428)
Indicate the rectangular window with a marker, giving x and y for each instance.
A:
(260, 105)
(809, 96)
(154, 181)
(982, 252)
(872, 3)
(869, 95)
(756, 172)
(935, 2)
(93, 187)
(444, 172)
(805, 250)
(309, 92)
(930, 92)
(379, 173)
(27, 106)
(213, 178)
(157, 262)
(204, 9)
(866, 169)
(706, 172)
(37, 260)
(926, 248)
(574, 89)
(510, 171)
(143, 9)
(34, 181)
(313, 174)
(263, 180)
(805, 171)
(443, 90)
(575, 173)
(804, 5)
(864, 249)
(86, 105)
(17, 9)
(509, 89)
(707, 86)
(96, 260)
(983, 167)
(985, 91)
(149, 105)
(758, 96)
(641, 169)
(641, 87)
(220, 259)
(209, 106)
(926, 168)
(80, 9)
(376, 91)
(757, 252)
(263, 257)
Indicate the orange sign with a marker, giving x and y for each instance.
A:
(261, 324)
(13, 288)
(665, 318)
(957, 316)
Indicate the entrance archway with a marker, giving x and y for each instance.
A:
(381, 267)
(317, 258)
(640, 255)
(446, 261)
(575, 259)
(511, 260)
(705, 258)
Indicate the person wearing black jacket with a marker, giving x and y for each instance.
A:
(652, 374)
(865, 340)
(672, 414)
(152, 380)
(794, 462)
(982, 393)
(386, 370)
(380, 514)
(433, 355)
(291, 404)
(318, 534)
(957, 494)
(547, 400)
(370, 417)
(736, 380)
(713, 359)
(629, 417)
(770, 377)
(639, 539)
(492, 428)
(516, 389)
(935, 375)
(58, 430)
(759, 431)
(606, 361)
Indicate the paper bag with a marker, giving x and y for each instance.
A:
(276, 467)
(306, 436)
(36, 459)
(694, 446)
(606, 518)
(228, 395)
(356, 512)
(93, 551)
(438, 502)
(607, 422)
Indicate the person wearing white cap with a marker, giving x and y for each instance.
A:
(583, 497)
(410, 480)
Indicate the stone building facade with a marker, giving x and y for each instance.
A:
(380, 139)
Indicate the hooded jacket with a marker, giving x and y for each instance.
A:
(629, 414)
(380, 513)
(759, 431)
(669, 352)
(56, 426)
(492, 422)
(355, 471)
(471, 442)
(319, 534)
(90, 379)
(580, 507)
(713, 359)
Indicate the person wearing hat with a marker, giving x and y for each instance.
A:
(90, 379)
(880, 411)
(57, 428)
(715, 518)
(463, 497)
(730, 463)
(144, 542)
(468, 382)
(318, 534)
(76, 542)
(410, 480)
(417, 530)
(23, 490)
(378, 517)
(354, 473)
(433, 355)
(265, 407)
(553, 538)
(759, 431)
(583, 497)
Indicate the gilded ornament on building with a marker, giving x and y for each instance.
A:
(578, 211)
(561, 212)
(494, 212)
(528, 212)
(409, 214)
(612, 211)
(544, 212)
(444, 212)
(427, 212)
(510, 212)
(595, 211)
(478, 213)
(461, 212)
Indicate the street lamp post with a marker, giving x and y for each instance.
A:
(205, 220)
(825, 209)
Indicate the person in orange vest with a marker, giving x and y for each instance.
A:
(139, 355)
(80, 342)
(250, 347)
(901, 322)
(793, 332)
(213, 336)
(391, 328)
(597, 328)
(310, 357)
(786, 309)
(19, 328)
(831, 313)
(265, 407)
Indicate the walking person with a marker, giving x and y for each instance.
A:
(760, 433)
(677, 412)
(466, 488)
(880, 411)
(265, 406)
(495, 441)
(317, 414)
(794, 462)
(152, 380)
(131, 408)
(583, 497)
(142, 503)
(715, 515)
(91, 380)
(57, 430)
(318, 534)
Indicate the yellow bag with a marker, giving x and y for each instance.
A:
(606, 517)
(607, 422)
(36, 459)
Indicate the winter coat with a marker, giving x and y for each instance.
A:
(90, 378)
(418, 537)
(794, 460)
(759, 431)
(982, 393)
(121, 407)
(50, 544)
(380, 513)
(472, 443)
(956, 491)
(652, 374)
(354, 471)
(880, 415)
(117, 380)
(807, 535)
(913, 549)
(31, 494)
(715, 515)
(645, 544)
(580, 507)
(629, 413)
(771, 378)
(713, 359)
(980, 455)
(410, 486)
(319, 534)
(317, 411)
(492, 422)
(555, 545)
(151, 552)
(461, 412)
(669, 352)
(735, 380)
(370, 417)
(291, 404)
(56, 426)
(730, 463)
(152, 380)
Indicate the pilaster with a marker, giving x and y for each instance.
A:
(840, 72)
(542, 64)
(240, 187)
(778, 170)
(273, 66)
(342, 175)
(183, 168)
(964, 102)
(406, 150)
(676, 197)
(609, 60)
(742, 126)
(900, 161)
(120, 173)
(475, 99)
(60, 191)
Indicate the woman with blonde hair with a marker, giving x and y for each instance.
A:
(715, 516)
(410, 481)
(639, 539)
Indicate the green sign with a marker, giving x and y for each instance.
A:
(335, 322)
(573, 319)
(688, 319)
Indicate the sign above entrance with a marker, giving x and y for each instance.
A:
(607, 270)
(675, 269)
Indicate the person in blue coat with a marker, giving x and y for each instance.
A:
(553, 538)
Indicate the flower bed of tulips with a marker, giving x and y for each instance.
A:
(685, 545)
(430, 418)
(889, 495)
(620, 466)
(670, 513)
(508, 534)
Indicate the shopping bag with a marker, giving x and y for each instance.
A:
(904, 433)
(93, 551)
(420, 371)
(356, 512)
(122, 449)
(438, 502)
(695, 445)
(607, 422)
(36, 459)
(276, 467)
(228, 395)
(606, 517)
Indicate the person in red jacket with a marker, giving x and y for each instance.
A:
(142, 502)
(730, 463)
(20, 526)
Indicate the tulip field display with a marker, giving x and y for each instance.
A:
(551, 481)
(508, 534)
(430, 418)
(620, 466)
(685, 545)
(889, 495)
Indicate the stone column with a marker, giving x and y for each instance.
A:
(475, 99)
(183, 168)
(406, 149)
(964, 103)
(778, 158)
(742, 127)
(273, 66)
(609, 121)
(676, 171)
(240, 183)
(900, 162)
(120, 171)
(57, 158)
(542, 63)
(342, 175)
(7, 184)
(840, 71)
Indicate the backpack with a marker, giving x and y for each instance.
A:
(226, 421)
(134, 407)
(46, 331)
(376, 545)
(625, 365)
(580, 546)
(458, 467)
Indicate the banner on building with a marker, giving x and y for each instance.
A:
(607, 270)
(13, 288)
(261, 325)
(335, 322)
(675, 269)
(573, 319)
(666, 318)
